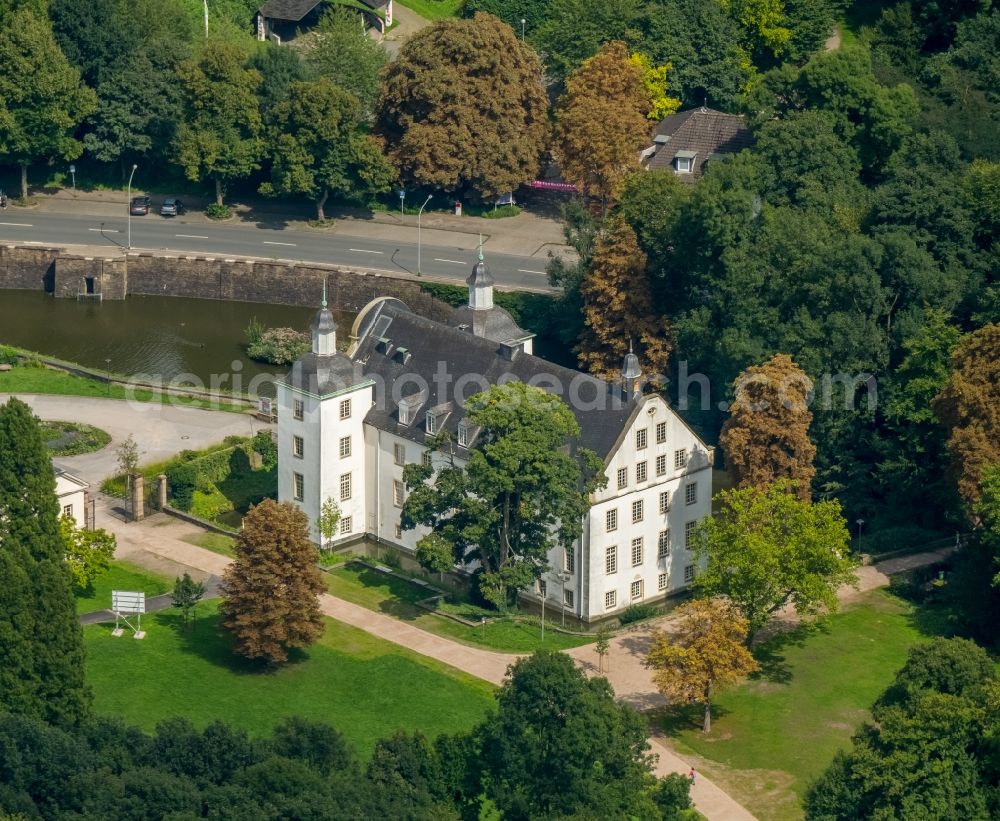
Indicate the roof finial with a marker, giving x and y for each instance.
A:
(480, 247)
(324, 292)
(630, 344)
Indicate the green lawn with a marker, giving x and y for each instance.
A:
(43, 380)
(396, 597)
(773, 735)
(433, 9)
(365, 687)
(73, 438)
(121, 576)
(216, 542)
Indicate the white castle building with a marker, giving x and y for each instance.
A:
(349, 422)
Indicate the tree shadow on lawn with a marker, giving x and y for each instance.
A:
(205, 638)
(679, 718)
(770, 653)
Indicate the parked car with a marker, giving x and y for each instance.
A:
(172, 207)
(139, 206)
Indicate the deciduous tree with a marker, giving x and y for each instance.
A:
(271, 590)
(618, 308)
(318, 146)
(704, 653)
(766, 437)
(42, 99)
(88, 552)
(186, 595)
(766, 549)
(344, 54)
(221, 133)
(561, 746)
(519, 495)
(969, 408)
(654, 78)
(601, 122)
(41, 644)
(463, 107)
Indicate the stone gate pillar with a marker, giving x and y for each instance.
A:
(138, 498)
(161, 491)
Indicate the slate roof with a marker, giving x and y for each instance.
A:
(491, 323)
(290, 10)
(323, 375)
(600, 410)
(701, 130)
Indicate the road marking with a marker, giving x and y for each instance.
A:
(190, 236)
(452, 261)
(290, 244)
(105, 230)
(364, 251)
(526, 271)
(17, 224)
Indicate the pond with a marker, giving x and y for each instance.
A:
(161, 337)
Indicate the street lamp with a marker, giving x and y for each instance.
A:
(523, 21)
(564, 577)
(134, 166)
(860, 523)
(419, 213)
(108, 363)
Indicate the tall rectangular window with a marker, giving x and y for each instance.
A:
(543, 588)
(298, 409)
(680, 458)
(611, 560)
(399, 531)
(663, 544)
(298, 487)
(346, 525)
(640, 472)
(664, 501)
(661, 464)
(611, 520)
(636, 590)
(398, 493)
(689, 528)
(345, 447)
(345, 486)
(661, 432)
(637, 510)
(298, 447)
(609, 600)
(637, 551)
(345, 408)
(640, 439)
(68, 511)
(463, 434)
(691, 493)
(426, 459)
(399, 454)
(568, 598)
(432, 423)
(689, 574)
(622, 478)
(569, 559)
(661, 581)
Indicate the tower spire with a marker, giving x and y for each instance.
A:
(481, 247)
(324, 292)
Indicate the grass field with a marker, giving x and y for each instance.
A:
(216, 542)
(773, 735)
(43, 380)
(433, 9)
(396, 597)
(365, 687)
(121, 576)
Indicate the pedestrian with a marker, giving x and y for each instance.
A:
(691, 776)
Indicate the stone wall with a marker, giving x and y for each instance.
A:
(203, 277)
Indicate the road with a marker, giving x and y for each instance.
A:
(389, 249)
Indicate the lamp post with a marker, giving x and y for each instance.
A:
(563, 577)
(523, 21)
(541, 586)
(134, 166)
(419, 214)
(860, 523)
(108, 383)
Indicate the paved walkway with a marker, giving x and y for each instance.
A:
(160, 430)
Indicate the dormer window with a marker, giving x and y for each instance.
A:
(432, 422)
(684, 161)
(463, 434)
(408, 407)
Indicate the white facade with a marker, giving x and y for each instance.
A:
(634, 542)
(72, 495)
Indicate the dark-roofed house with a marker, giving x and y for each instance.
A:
(684, 142)
(348, 423)
(281, 20)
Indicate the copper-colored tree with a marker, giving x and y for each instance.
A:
(601, 122)
(271, 590)
(969, 407)
(766, 437)
(464, 105)
(704, 652)
(618, 308)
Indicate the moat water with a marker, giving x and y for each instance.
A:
(163, 337)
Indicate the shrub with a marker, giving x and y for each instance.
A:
(9, 355)
(210, 503)
(279, 346)
(255, 330)
(264, 444)
(637, 612)
(218, 212)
